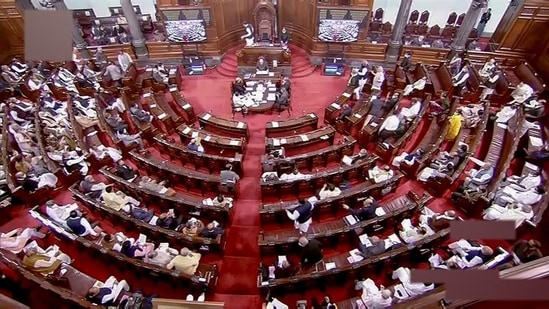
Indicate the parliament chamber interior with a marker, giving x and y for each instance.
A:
(276, 154)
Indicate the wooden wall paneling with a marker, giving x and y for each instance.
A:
(368, 3)
(297, 16)
(231, 14)
(523, 34)
(12, 29)
(541, 64)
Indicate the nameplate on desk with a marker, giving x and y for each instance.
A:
(374, 42)
(274, 124)
(347, 95)
(173, 89)
(358, 116)
(276, 142)
(146, 95)
(312, 115)
(373, 124)
(304, 137)
(152, 105)
(148, 70)
(240, 125)
(172, 71)
(207, 138)
(97, 22)
(187, 106)
(186, 130)
(425, 45)
(206, 116)
(324, 137)
(162, 116)
(194, 134)
(335, 105)
(234, 143)
(283, 141)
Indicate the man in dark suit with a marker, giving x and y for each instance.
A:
(124, 171)
(377, 247)
(311, 252)
(391, 102)
(367, 211)
(406, 63)
(284, 270)
(440, 222)
(282, 99)
(346, 110)
(377, 107)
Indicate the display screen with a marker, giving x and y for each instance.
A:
(331, 30)
(185, 31)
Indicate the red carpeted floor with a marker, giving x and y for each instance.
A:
(238, 268)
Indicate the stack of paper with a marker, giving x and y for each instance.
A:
(276, 142)
(274, 124)
(380, 212)
(358, 116)
(347, 95)
(365, 240)
(355, 256)
(350, 220)
(207, 138)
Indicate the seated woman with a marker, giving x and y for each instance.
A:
(44, 262)
(136, 250)
(108, 294)
(17, 239)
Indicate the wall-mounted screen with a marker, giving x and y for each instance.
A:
(331, 30)
(185, 31)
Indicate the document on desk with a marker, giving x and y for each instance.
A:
(173, 89)
(206, 116)
(380, 212)
(276, 142)
(283, 141)
(536, 141)
(271, 74)
(358, 116)
(324, 137)
(350, 220)
(240, 125)
(146, 95)
(330, 265)
(207, 138)
(347, 95)
(365, 240)
(187, 106)
(335, 105)
(271, 97)
(394, 239)
(355, 256)
(172, 71)
(186, 130)
(531, 166)
(274, 124)
(234, 142)
(304, 137)
(312, 115)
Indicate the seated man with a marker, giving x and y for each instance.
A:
(366, 212)
(522, 93)
(524, 183)
(438, 222)
(81, 226)
(195, 145)
(282, 99)
(379, 175)
(17, 239)
(328, 190)
(411, 288)
(117, 200)
(346, 110)
(238, 87)
(417, 85)
(488, 68)
(262, 66)
(390, 126)
(311, 252)
(139, 213)
(140, 114)
(436, 171)
(480, 177)
(284, 269)
(505, 114)
(133, 249)
(469, 193)
(374, 297)
(108, 293)
(527, 250)
(161, 256)
(220, 201)
(471, 115)
(92, 188)
(125, 172)
(160, 74)
(130, 139)
(508, 212)
(192, 227)
(535, 108)
(74, 162)
(212, 230)
(44, 262)
(159, 187)
(375, 247)
(350, 160)
(115, 122)
(409, 159)
(469, 256)
(169, 219)
(59, 214)
(412, 234)
(186, 262)
(101, 152)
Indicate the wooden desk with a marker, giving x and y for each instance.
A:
(226, 127)
(211, 140)
(248, 56)
(213, 163)
(307, 122)
(272, 76)
(181, 106)
(332, 110)
(325, 133)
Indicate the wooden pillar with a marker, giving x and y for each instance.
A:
(393, 50)
(469, 22)
(138, 40)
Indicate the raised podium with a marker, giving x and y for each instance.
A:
(248, 56)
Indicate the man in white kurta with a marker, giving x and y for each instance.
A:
(373, 297)
(412, 288)
(521, 93)
(509, 213)
(59, 214)
(417, 85)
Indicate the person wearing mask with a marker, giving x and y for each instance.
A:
(124, 171)
(229, 178)
(80, 225)
(108, 294)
